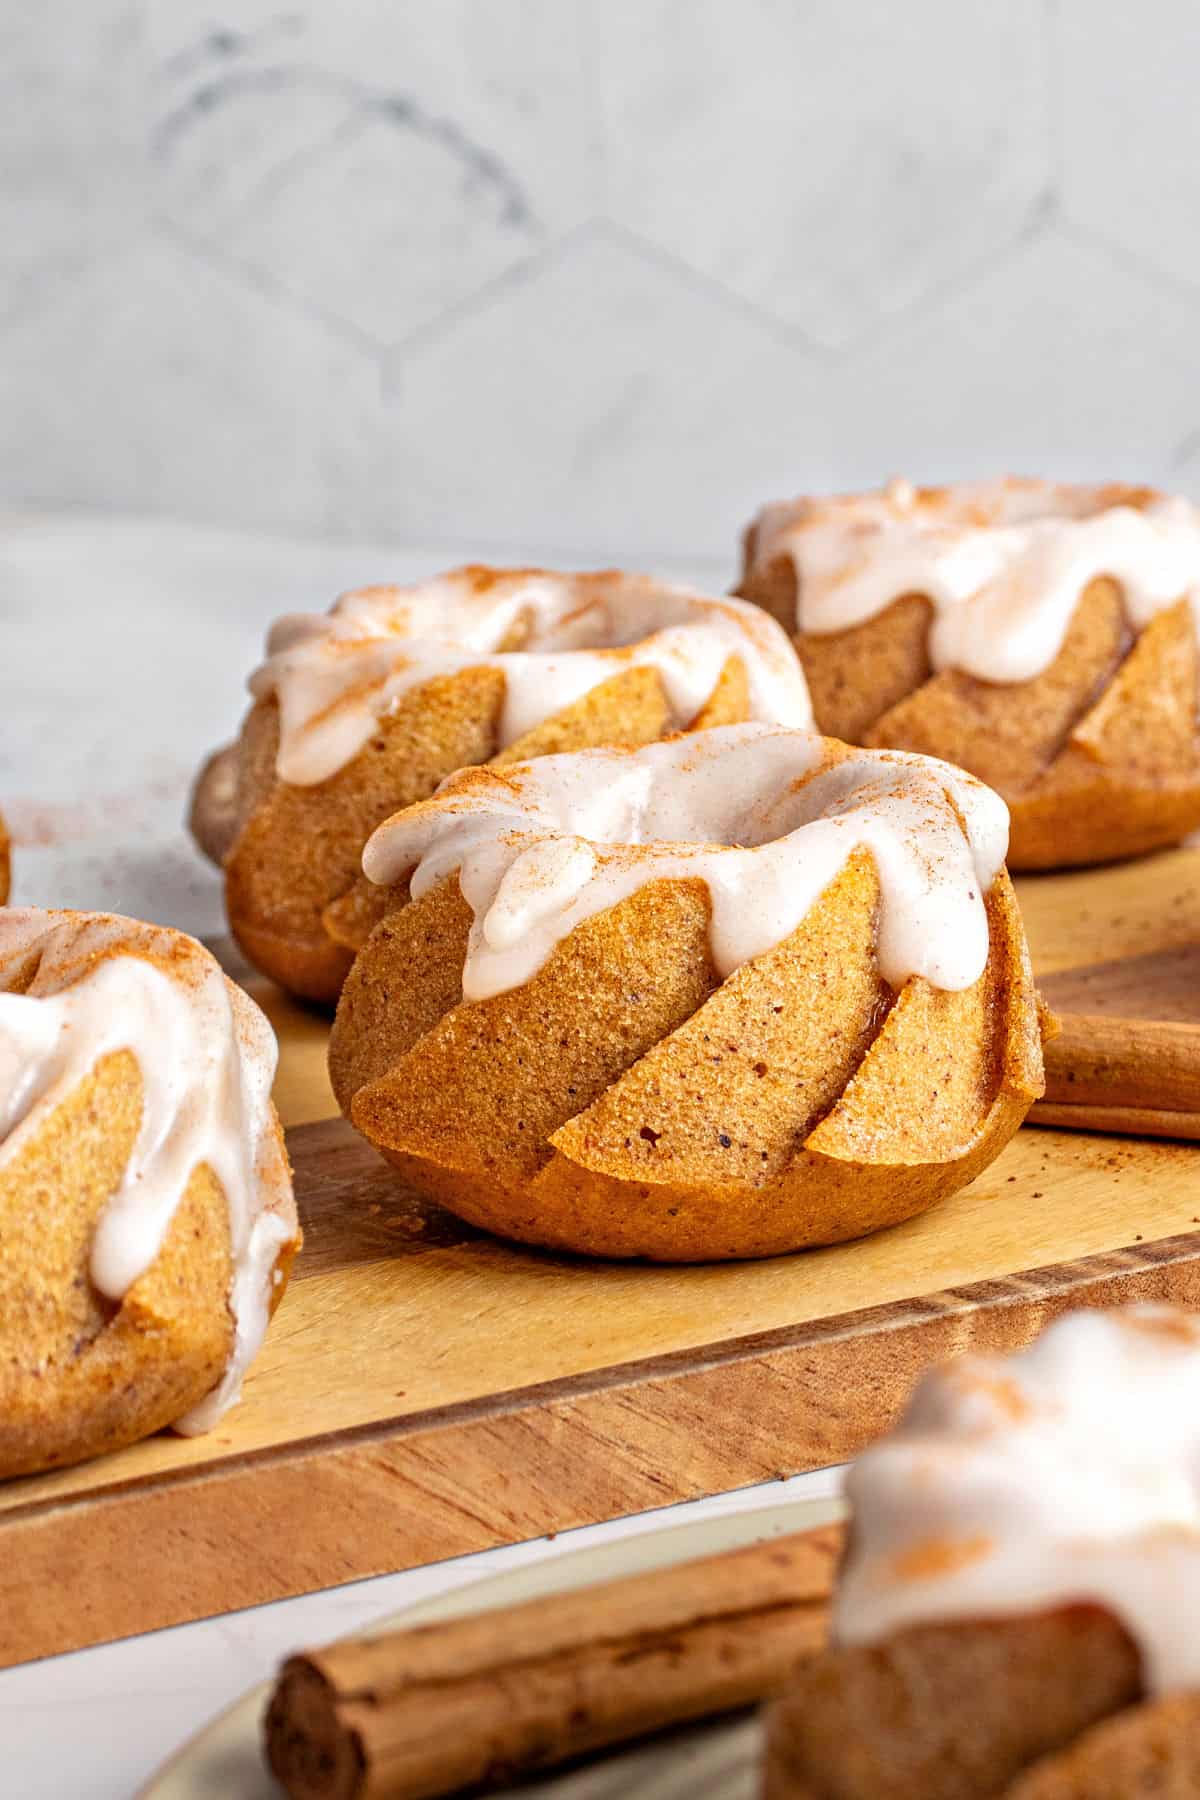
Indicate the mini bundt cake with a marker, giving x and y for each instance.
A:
(721, 996)
(1042, 636)
(146, 1216)
(366, 709)
(1016, 1613)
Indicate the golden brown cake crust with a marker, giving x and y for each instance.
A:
(948, 1712)
(626, 1102)
(296, 901)
(1098, 757)
(81, 1375)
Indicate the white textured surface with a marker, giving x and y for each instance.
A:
(1130, 130)
(830, 163)
(588, 276)
(187, 386)
(377, 163)
(126, 648)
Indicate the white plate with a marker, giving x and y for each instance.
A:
(714, 1762)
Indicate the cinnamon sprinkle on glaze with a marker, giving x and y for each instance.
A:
(765, 817)
(1086, 1492)
(554, 637)
(1002, 562)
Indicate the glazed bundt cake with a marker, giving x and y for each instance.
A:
(1042, 636)
(146, 1215)
(720, 996)
(367, 709)
(1016, 1613)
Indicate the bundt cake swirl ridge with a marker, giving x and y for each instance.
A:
(146, 1214)
(1042, 635)
(366, 709)
(721, 996)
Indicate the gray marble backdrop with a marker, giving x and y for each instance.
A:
(595, 276)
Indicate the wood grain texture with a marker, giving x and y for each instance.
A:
(426, 1391)
(1164, 985)
(1087, 916)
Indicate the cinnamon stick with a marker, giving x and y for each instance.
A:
(1127, 1121)
(1100, 1061)
(479, 1701)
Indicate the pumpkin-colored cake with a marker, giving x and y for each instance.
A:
(1042, 636)
(721, 996)
(146, 1215)
(365, 710)
(1016, 1612)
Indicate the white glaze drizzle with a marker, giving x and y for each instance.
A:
(765, 817)
(1069, 1473)
(335, 675)
(1003, 562)
(207, 1058)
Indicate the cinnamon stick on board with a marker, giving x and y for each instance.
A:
(481, 1700)
(1101, 1061)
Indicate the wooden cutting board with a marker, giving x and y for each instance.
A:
(426, 1391)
